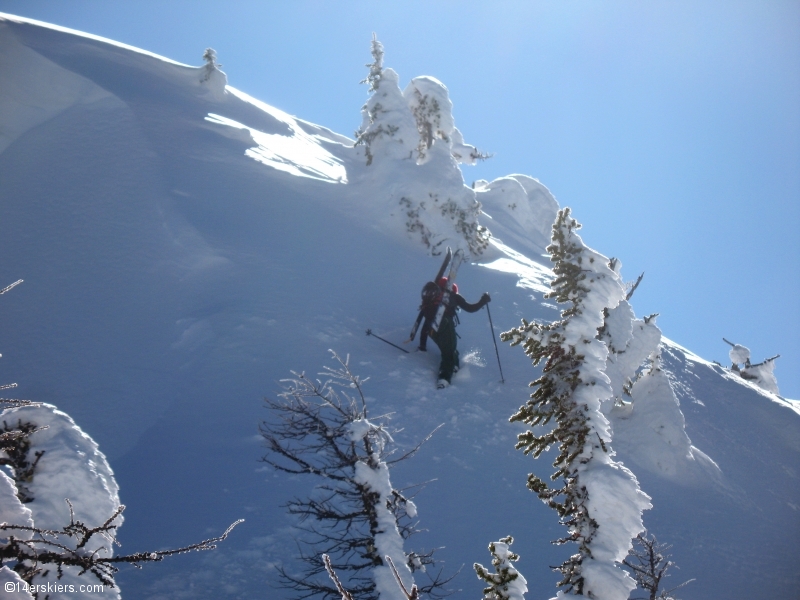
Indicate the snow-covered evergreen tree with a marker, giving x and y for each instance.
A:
(387, 127)
(376, 66)
(762, 374)
(506, 583)
(599, 500)
(410, 140)
(12, 507)
(430, 104)
(210, 56)
(423, 95)
(630, 342)
(212, 78)
(739, 355)
(355, 515)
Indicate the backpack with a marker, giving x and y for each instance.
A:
(431, 296)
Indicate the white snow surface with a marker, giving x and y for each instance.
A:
(12, 511)
(739, 354)
(521, 204)
(178, 264)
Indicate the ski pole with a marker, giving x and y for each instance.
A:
(496, 351)
(369, 332)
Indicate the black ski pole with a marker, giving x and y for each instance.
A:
(369, 332)
(496, 351)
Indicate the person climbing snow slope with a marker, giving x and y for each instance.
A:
(445, 335)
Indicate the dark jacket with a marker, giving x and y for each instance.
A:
(454, 301)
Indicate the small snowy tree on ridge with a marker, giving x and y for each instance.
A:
(387, 126)
(210, 57)
(599, 500)
(376, 66)
(762, 374)
(355, 516)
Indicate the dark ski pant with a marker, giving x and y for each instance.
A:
(446, 339)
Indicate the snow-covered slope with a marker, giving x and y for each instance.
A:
(184, 247)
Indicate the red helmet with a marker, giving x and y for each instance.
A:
(442, 283)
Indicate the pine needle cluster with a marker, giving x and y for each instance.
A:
(505, 583)
(373, 79)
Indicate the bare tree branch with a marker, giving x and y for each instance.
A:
(410, 595)
(649, 564)
(30, 555)
(320, 427)
(345, 594)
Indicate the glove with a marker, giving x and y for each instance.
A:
(486, 298)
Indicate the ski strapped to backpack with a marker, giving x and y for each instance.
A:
(458, 258)
(447, 257)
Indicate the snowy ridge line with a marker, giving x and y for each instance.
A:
(91, 36)
(727, 374)
(689, 354)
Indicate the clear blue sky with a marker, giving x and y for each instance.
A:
(672, 128)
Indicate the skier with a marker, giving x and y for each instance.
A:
(445, 336)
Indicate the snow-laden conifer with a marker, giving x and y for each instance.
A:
(355, 515)
(505, 583)
(761, 374)
(376, 66)
(65, 532)
(739, 355)
(413, 150)
(212, 78)
(599, 500)
(406, 124)
(630, 342)
(12, 509)
(210, 58)
(430, 104)
(387, 126)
